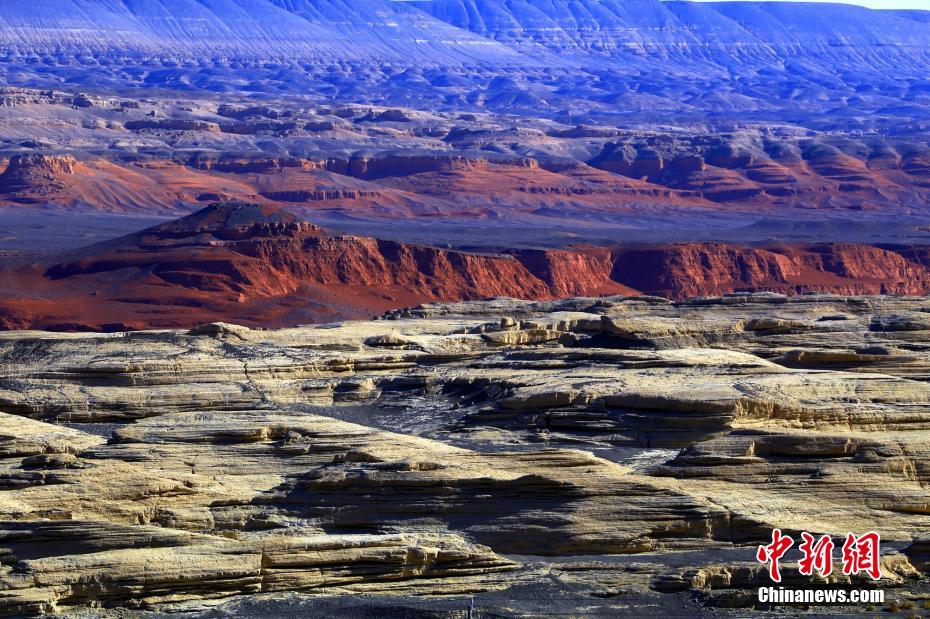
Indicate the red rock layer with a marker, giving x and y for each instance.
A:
(398, 185)
(29, 179)
(261, 266)
(701, 269)
(393, 187)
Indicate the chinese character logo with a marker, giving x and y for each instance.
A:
(817, 556)
(860, 554)
(773, 552)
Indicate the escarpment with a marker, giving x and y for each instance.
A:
(25, 174)
(696, 269)
(425, 160)
(264, 266)
(246, 259)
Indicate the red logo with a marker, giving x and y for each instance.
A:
(817, 556)
(860, 554)
(773, 552)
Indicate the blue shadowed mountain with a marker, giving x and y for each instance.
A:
(552, 57)
(268, 30)
(724, 33)
(467, 31)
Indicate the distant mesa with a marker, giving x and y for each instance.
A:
(599, 178)
(261, 266)
(231, 221)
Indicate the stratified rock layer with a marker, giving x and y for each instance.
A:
(264, 267)
(468, 448)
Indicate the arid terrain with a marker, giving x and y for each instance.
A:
(262, 266)
(460, 308)
(435, 175)
(613, 456)
(766, 206)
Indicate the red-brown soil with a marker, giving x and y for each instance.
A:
(261, 266)
(364, 167)
(391, 187)
(404, 187)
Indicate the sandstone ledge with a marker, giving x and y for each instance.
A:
(634, 447)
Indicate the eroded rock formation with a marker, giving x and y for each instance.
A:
(428, 162)
(609, 452)
(262, 266)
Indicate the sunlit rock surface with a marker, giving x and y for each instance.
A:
(612, 454)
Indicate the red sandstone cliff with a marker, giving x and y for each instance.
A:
(702, 269)
(258, 265)
(261, 265)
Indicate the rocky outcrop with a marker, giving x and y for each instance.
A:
(621, 448)
(27, 177)
(266, 267)
(695, 269)
(244, 165)
(404, 165)
(756, 167)
(171, 124)
(157, 156)
(567, 273)
(318, 195)
(364, 166)
(230, 257)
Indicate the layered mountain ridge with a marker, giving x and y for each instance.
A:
(244, 30)
(533, 56)
(443, 30)
(266, 266)
(689, 30)
(359, 165)
(498, 130)
(262, 266)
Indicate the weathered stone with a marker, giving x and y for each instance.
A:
(434, 457)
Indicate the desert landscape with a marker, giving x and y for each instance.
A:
(462, 308)
(602, 456)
